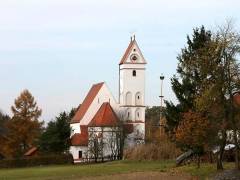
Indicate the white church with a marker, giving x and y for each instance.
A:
(101, 118)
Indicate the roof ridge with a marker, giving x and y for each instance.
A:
(98, 83)
(105, 108)
(91, 95)
(127, 51)
(105, 116)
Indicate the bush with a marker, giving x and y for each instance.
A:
(160, 151)
(36, 161)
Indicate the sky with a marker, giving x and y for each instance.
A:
(58, 48)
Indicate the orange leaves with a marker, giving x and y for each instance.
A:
(24, 127)
(192, 130)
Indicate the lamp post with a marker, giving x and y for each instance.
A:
(161, 105)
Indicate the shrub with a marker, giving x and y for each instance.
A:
(157, 151)
(36, 161)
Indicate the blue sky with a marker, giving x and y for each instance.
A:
(58, 48)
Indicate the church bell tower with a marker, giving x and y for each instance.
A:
(132, 91)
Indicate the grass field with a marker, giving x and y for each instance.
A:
(110, 168)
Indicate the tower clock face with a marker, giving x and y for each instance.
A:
(134, 57)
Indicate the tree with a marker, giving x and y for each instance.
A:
(230, 42)
(153, 115)
(3, 133)
(192, 132)
(186, 83)
(113, 138)
(155, 130)
(56, 136)
(24, 127)
(198, 86)
(123, 134)
(217, 98)
(96, 143)
(3, 119)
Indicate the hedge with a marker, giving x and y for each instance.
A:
(36, 161)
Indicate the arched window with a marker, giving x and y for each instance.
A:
(138, 115)
(128, 114)
(129, 98)
(134, 73)
(138, 99)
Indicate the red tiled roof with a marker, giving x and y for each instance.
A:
(86, 103)
(80, 139)
(127, 52)
(104, 117)
(31, 151)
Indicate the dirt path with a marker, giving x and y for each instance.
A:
(232, 174)
(143, 176)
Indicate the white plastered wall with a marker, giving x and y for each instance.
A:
(136, 86)
(104, 95)
(75, 128)
(108, 135)
(74, 150)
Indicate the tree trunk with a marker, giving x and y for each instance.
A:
(219, 160)
(211, 157)
(198, 161)
(237, 158)
(237, 166)
(220, 153)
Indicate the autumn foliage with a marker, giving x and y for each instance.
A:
(24, 127)
(192, 130)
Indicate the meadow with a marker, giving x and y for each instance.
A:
(110, 169)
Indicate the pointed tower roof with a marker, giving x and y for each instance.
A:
(105, 117)
(87, 102)
(132, 48)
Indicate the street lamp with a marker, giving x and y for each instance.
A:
(161, 105)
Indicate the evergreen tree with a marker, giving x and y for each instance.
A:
(207, 77)
(186, 83)
(3, 133)
(3, 120)
(56, 137)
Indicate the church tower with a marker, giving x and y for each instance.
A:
(132, 92)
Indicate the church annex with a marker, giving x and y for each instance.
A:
(98, 122)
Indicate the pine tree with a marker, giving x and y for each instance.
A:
(186, 83)
(3, 120)
(56, 137)
(3, 133)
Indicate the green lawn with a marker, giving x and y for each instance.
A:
(205, 170)
(78, 171)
